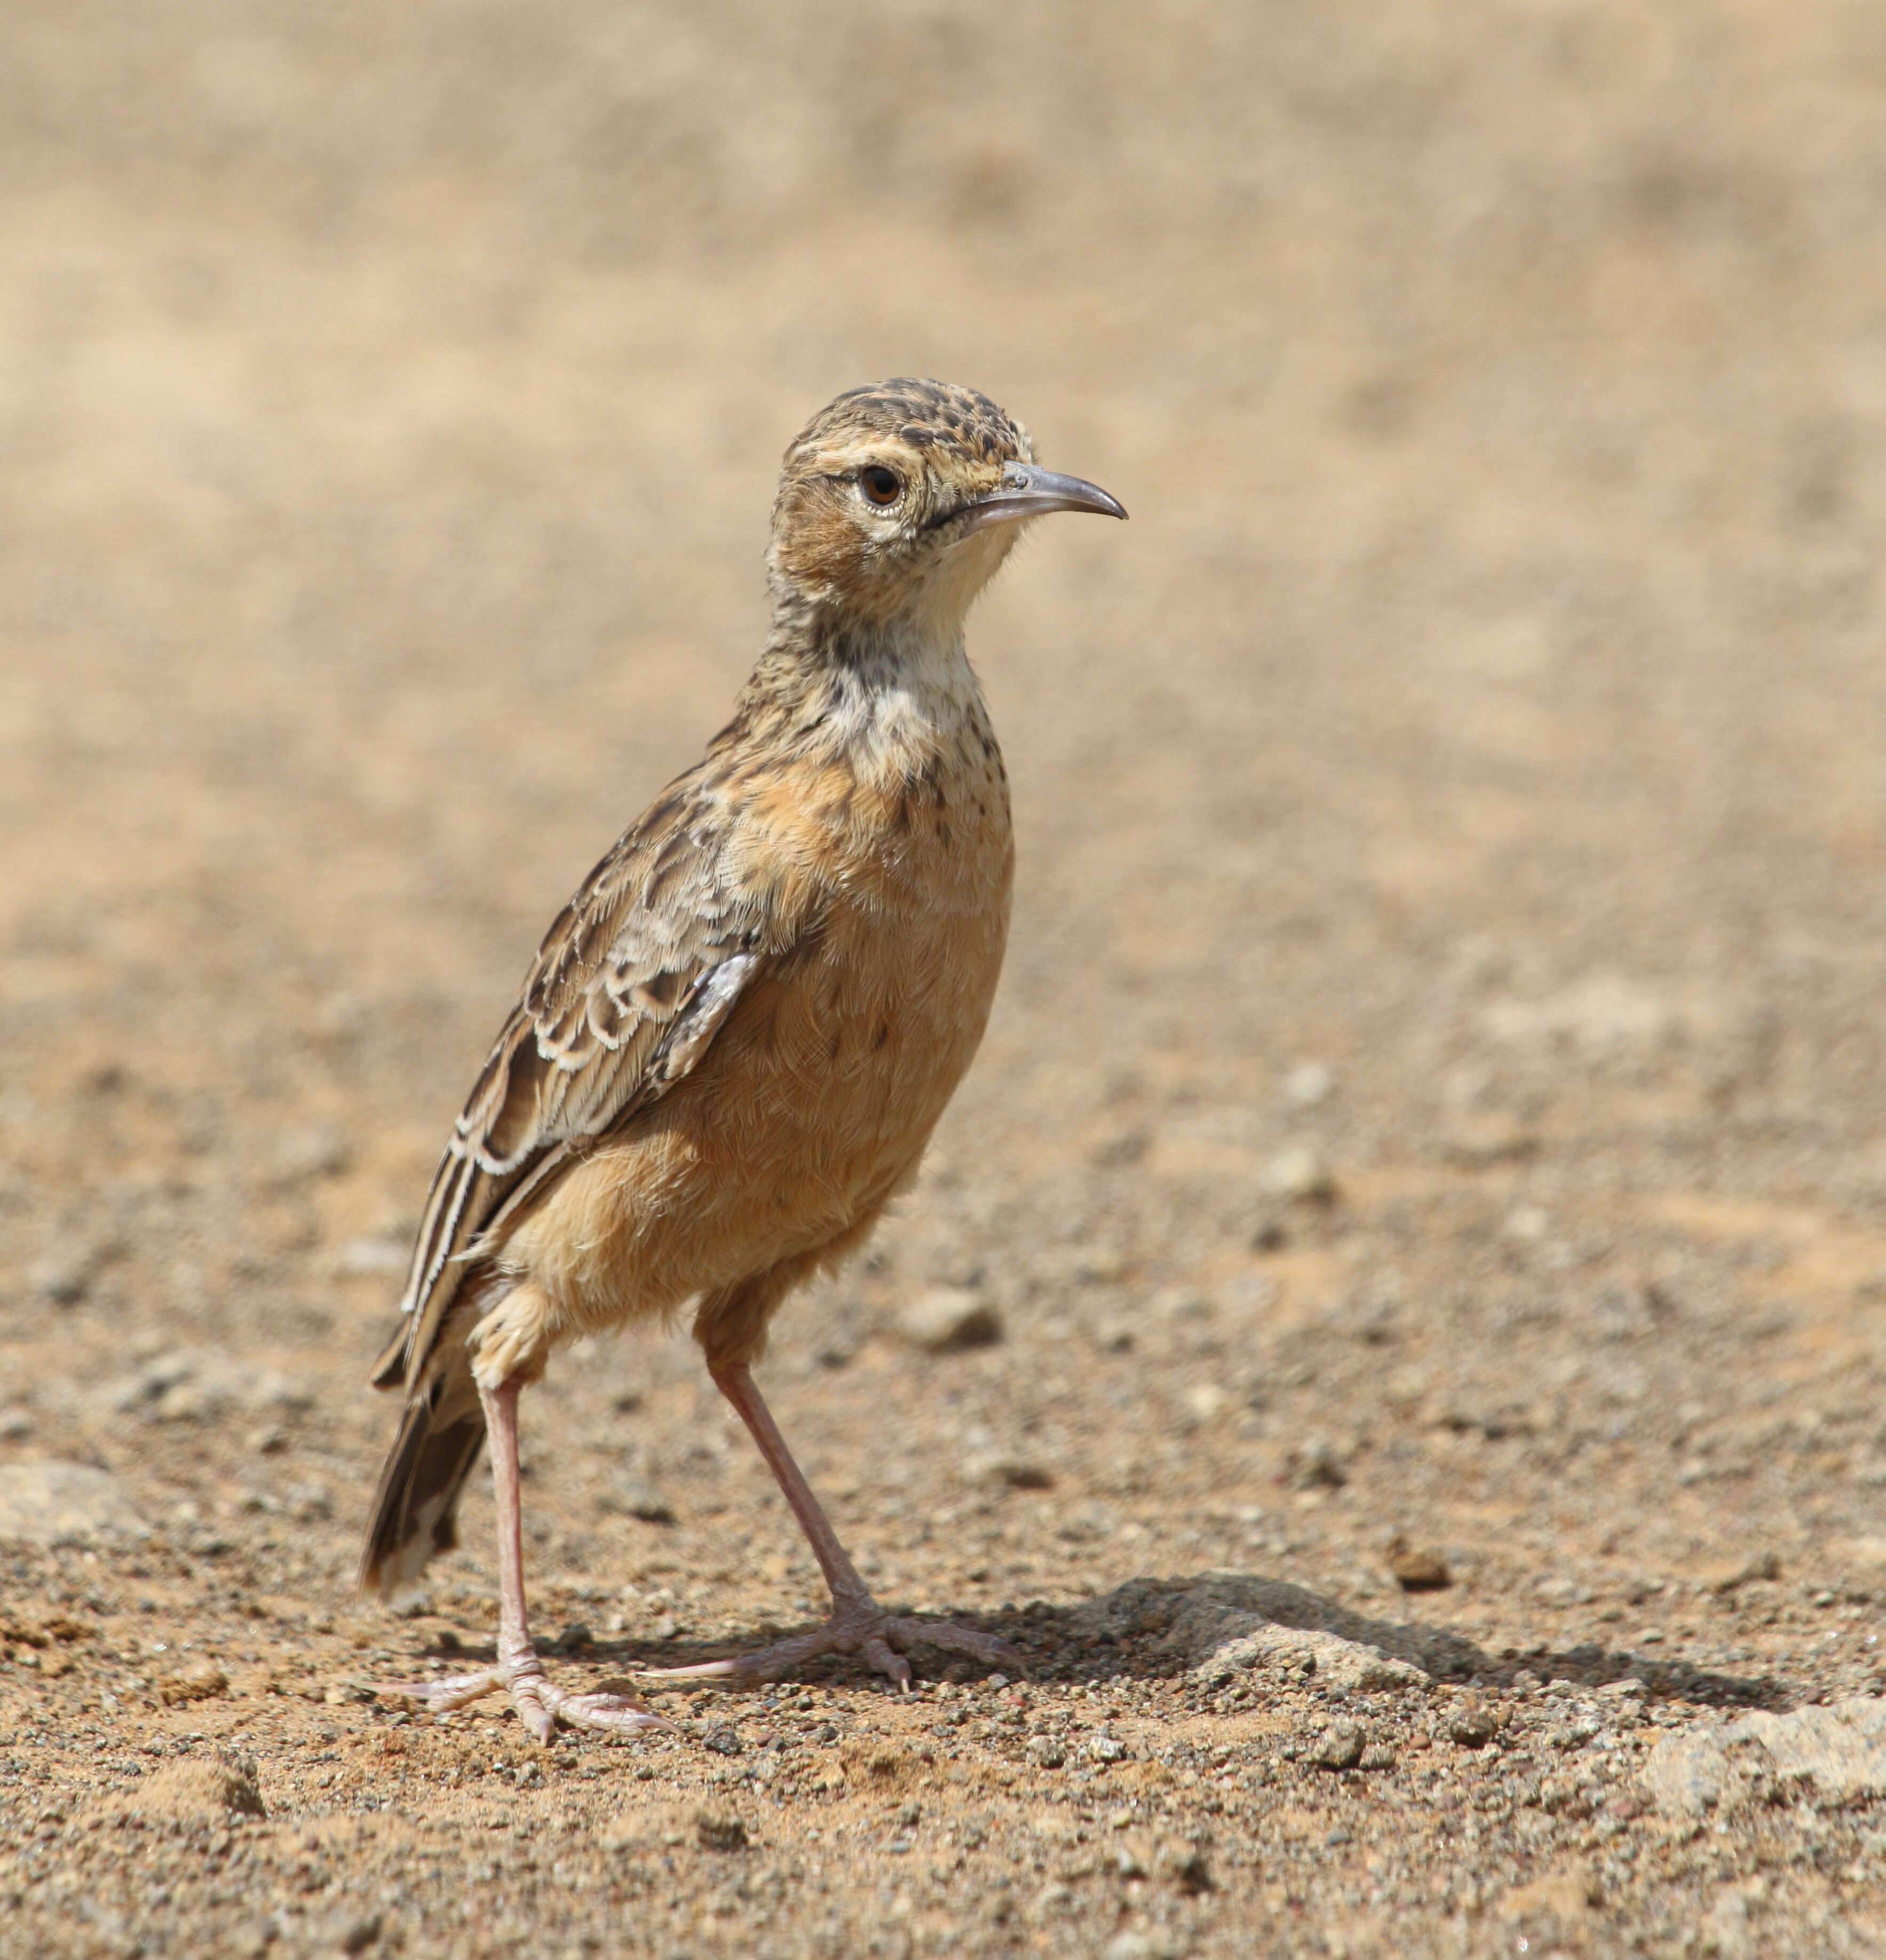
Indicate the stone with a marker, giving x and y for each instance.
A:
(1340, 1746)
(202, 1681)
(1308, 1084)
(308, 1503)
(372, 1258)
(1298, 1174)
(1007, 1471)
(1476, 1139)
(319, 1151)
(1329, 1660)
(1725, 1933)
(1208, 1399)
(631, 1494)
(198, 1385)
(1417, 1568)
(1225, 1623)
(1839, 1749)
(1629, 1689)
(1141, 1946)
(55, 1503)
(62, 1277)
(1473, 1724)
(199, 1790)
(1567, 1894)
(1731, 1575)
(352, 1932)
(1182, 1863)
(946, 1320)
(717, 1833)
(1602, 1015)
(1315, 1465)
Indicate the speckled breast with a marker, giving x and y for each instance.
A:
(846, 1051)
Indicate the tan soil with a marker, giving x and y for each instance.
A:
(1464, 773)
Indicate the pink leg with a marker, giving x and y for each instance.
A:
(858, 1624)
(519, 1673)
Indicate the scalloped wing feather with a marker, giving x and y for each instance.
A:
(631, 983)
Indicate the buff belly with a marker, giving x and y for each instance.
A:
(812, 1111)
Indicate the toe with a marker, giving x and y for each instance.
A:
(708, 1670)
(533, 1714)
(882, 1656)
(991, 1649)
(613, 1714)
(443, 1697)
(764, 1663)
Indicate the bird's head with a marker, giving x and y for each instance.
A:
(897, 503)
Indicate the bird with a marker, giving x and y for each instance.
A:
(735, 1040)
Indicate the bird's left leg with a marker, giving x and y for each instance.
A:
(541, 1705)
(858, 1624)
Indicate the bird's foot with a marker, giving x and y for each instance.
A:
(859, 1627)
(540, 1704)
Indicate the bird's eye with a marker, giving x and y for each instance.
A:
(880, 485)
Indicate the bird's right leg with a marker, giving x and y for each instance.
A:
(858, 1624)
(518, 1672)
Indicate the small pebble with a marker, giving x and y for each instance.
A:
(1417, 1568)
(203, 1682)
(1011, 1472)
(1340, 1746)
(946, 1320)
(353, 1932)
(1316, 1466)
(631, 1494)
(1299, 1175)
(1308, 1084)
(63, 1278)
(717, 1833)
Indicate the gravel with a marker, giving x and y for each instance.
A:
(1437, 1087)
(52, 1504)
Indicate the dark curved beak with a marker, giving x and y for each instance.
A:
(1028, 491)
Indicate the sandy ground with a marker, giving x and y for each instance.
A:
(1436, 1093)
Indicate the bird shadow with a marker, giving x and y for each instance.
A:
(1155, 1628)
(1161, 1628)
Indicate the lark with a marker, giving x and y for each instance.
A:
(736, 1038)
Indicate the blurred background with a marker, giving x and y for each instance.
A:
(1442, 1038)
(390, 402)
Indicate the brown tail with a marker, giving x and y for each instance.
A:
(414, 1509)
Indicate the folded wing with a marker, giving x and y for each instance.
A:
(627, 991)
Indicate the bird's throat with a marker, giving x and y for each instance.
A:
(888, 698)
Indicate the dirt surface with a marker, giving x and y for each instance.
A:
(1436, 1097)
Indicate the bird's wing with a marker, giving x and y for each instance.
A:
(627, 991)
